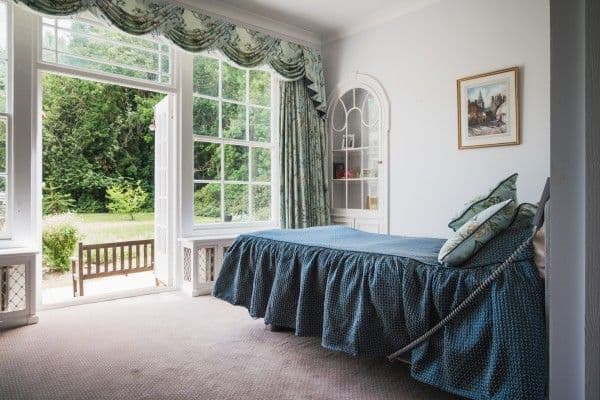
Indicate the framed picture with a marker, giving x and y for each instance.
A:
(488, 109)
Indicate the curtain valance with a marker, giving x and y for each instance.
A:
(195, 32)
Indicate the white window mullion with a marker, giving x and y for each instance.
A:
(220, 124)
(250, 149)
(6, 119)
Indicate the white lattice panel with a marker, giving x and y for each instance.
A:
(206, 264)
(13, 288)
(202, 259)
(17, 287)
(187, 264)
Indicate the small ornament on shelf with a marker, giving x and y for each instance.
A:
(368, 173)
(351, 173)
(339, 170)
(371, 202)
(348, 142)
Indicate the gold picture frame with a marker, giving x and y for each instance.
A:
(488, 109)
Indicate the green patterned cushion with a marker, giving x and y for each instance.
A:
(476, 232)
(507, 189)
(524, 216)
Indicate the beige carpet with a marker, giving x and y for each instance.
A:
(170, 346)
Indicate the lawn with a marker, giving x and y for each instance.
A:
(105, 227)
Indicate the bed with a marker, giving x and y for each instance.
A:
(368, 295)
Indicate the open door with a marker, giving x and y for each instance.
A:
(163, 228)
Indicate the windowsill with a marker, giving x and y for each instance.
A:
(18, 251)
(227, 230)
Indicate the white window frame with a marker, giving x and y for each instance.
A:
(223, 228)
(25, 158)
(6, 235)
(40, 67)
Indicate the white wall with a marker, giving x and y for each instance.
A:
(417, 58)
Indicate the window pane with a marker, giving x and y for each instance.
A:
(2, 214)
(100, 50)
(234, 83)
(207, 203)
(88, 24)
(236, 203)
(2, 185)
(206, 117)
(260, 88)
(78, 62)
(3, 132)
(165, 63)
(236, 163)
(4, 33)
(260, 124)
(88, 44)
(206, 76)
(48, 56)
(261, 198)
(207, 161)
(234, 121)
(3, 88)
(261, 165)
(3, 56)
(49, 41)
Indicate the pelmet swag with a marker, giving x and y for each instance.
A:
(304, 197)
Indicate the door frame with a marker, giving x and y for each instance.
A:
(31, 49)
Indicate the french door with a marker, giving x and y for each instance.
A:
(164, 227)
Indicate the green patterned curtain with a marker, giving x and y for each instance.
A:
(195, 32)
(303, 152)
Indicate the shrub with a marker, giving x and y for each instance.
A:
(126, 199)
(59, 238)
(56, 202)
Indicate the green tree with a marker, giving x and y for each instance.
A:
(55, 201)
(207, 201)
(126, 199)
(96, 136)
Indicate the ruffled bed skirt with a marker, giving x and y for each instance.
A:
(371, 304)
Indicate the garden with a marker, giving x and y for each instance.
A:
(98, 165)
(98, 155)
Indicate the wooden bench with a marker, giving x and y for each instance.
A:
(108, 259)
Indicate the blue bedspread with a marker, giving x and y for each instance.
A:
(368, 294)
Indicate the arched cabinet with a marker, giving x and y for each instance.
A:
(358, 129)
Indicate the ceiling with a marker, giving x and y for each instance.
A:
(328, 19)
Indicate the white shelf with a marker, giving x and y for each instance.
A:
(354, 179)
(356, 149)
